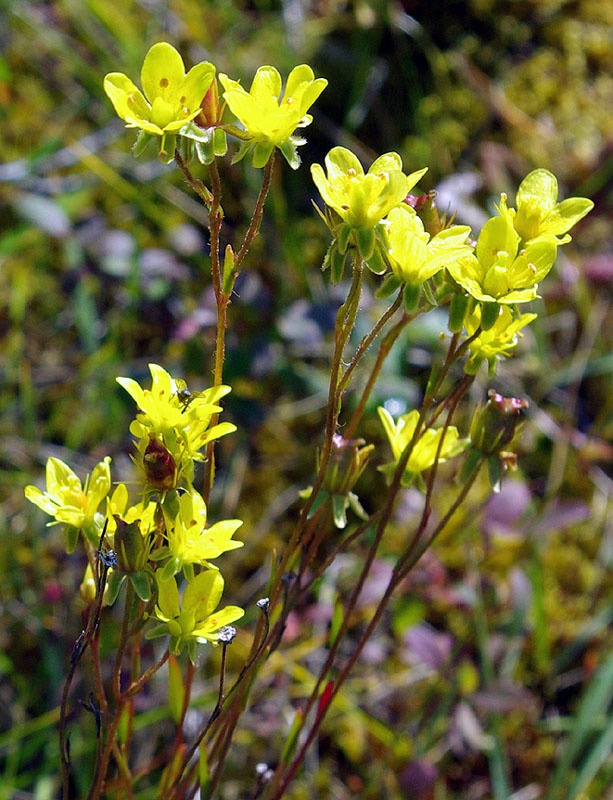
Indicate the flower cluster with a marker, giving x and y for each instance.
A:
(176, 104)
(166, 531)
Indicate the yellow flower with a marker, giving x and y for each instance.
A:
(192, 620)
(499, 340)
(362, 200)
(117, 503)
(71, 503)
(162, 413)
(190, 541)
(173, 98)
(423, 455)
(270, 116)
(501, 272)
(538, 212)
(415, 256)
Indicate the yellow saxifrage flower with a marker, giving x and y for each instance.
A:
(362, 200)
(498, 341)
(71, 503)
(423, 456)
(190, 541)
(117, 503)
(173, 98)
(413, 255)
(163, 416)
(501, 272)
(269, 114)
(538, 211)
(192, 620)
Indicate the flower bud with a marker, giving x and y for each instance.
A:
(160, 467)
(348, 459)
(427, 211)
(493, 426)
(209, 116)
(130, 546)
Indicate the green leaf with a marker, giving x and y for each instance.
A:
(388, 286)
(410, 295)
(339, 510)
(142, 587)
(376, 263)
(494, 472)
(365, 240)
(113, 585)
(143, 143)
(337, 265)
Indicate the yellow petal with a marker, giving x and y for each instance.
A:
(162, 73)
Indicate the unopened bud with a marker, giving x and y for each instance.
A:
(493, 426)
(160, 467)
(209, 115)
(130, 546)
(348, 459)
(427, 211)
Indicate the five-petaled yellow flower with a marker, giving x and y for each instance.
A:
(362, 200)
(423, 455)
(498, 341)
(538, 211)
(190, 541)
(68, 501)
(269, 114)
(193, 619)
(500, 271)
(172, 97)
(415, 256)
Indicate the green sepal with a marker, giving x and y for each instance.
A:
(159, 553)
(376, 263)
(192, 651)
(494, 472)
(141, 585)
(289, 152)
(337, 265)
(188, 571)
(429, 294)
(356, 506)
(196, 133)
(328, 256)
(410, 296)
(170, 503)
(339, 510)
(170, 568)
(220, 142)
(229, 270)
(113, 585)
(342, 237)
(472, 365)
(388, 286)
(204, 151)
(321, 498)
(489, 315)
(72, 537)
(143, 143)
(472, 460)
(336, 622)
(166, 152)
(242, 151)
(262, 152)
(457, 312)
(186, 148)
(157, 631)
(365, 241)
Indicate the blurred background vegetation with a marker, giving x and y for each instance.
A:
(492, 675)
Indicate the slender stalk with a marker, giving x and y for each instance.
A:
(256, 219)
(136, 686)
